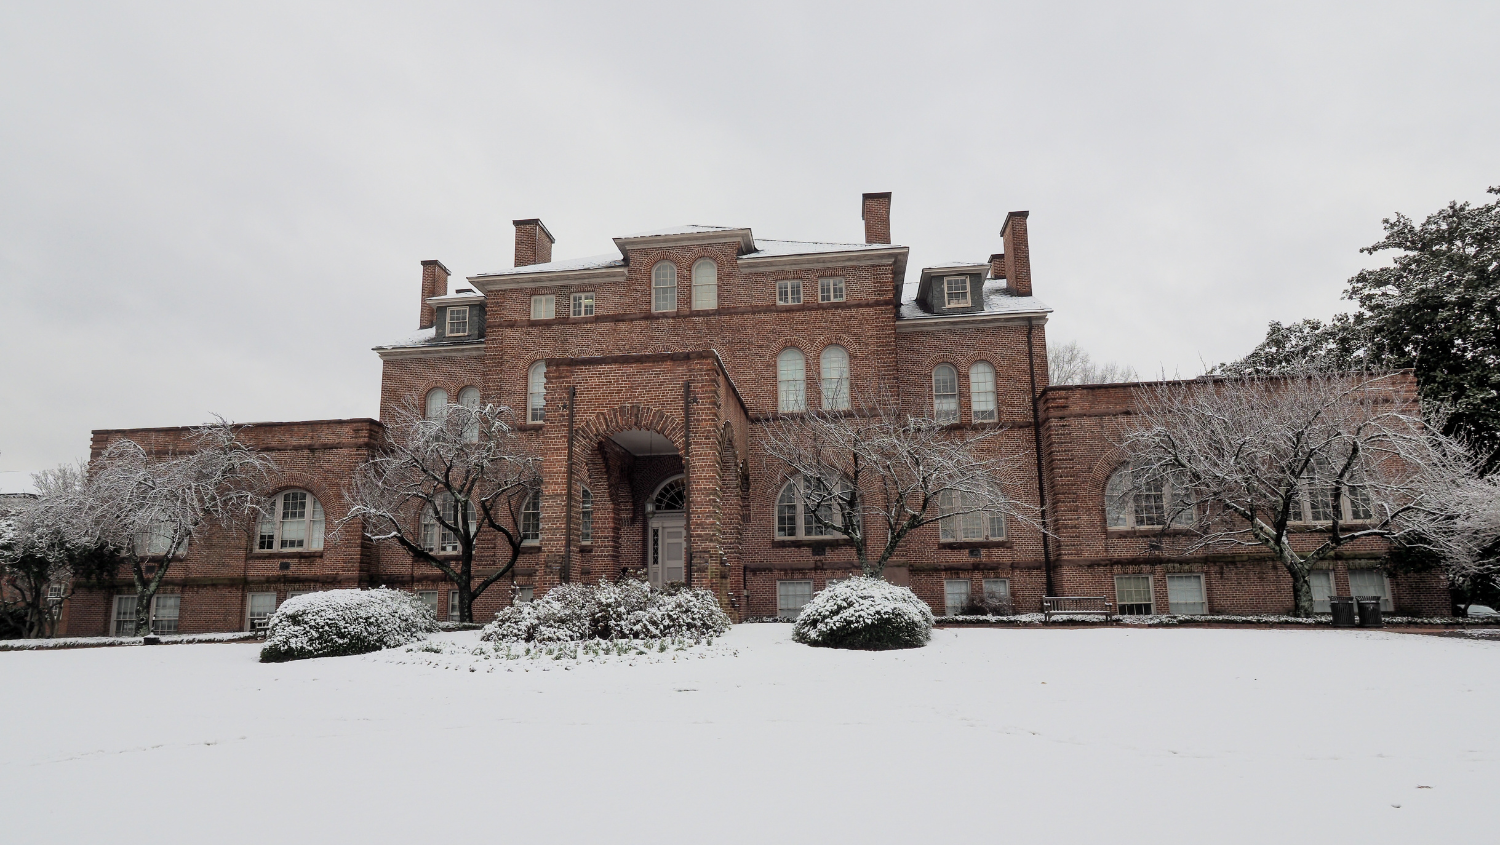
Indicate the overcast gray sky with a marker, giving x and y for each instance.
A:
(219, 208)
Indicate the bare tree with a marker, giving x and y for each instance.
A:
(147, 505)
(439, 485)
(1300, 465)
(878, 465)
(1067, 363)
(1468, 543)
(45, 551)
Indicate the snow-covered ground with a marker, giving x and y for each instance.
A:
(986, 735)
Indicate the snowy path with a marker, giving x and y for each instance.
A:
(1010, 735)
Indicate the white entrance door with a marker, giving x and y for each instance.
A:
(664, 552)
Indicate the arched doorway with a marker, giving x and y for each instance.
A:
(665, 532)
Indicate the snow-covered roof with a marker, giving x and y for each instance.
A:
(592, 262)
(685, 229)
(997, 302)
(766, 248)
(428, 338)
(17, 483)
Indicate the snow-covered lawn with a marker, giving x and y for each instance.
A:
(986, 735)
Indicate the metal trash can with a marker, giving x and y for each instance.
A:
(1342, 608)
(1369, 612)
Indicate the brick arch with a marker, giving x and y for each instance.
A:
(630, 418)
(284, 481)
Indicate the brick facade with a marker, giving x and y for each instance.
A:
(655, 392)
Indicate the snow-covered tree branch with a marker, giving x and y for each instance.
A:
(440, 485)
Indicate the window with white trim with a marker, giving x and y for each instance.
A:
(791, 381)
(997, 589)
(791, 597)
(800, 499)
(1147, 504)
(458, 320)
(1317, 499)
(437, 538)
(524, 593)
(123, 623)
(536, 392)
(156, 540)
(453, 612)
(789, 292)
(664, 286)
(258, 610)
(531, 519)
(831, 289)
(585, 516)
(955, 596)
(469, 398)
(56, 592)
(583, 304)
(705, 284)
(1133, 596)
(543, 306)
(1371, 582)
(956, 291)
(965, 520)
(945, 393)
(1185, 595)
(436, 406)
(429, 598)
(1321, 582)
(833, 371)
(293, 522)
(982, 405)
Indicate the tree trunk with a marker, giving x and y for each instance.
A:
(1302, 600)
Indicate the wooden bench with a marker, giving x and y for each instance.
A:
(1077, 606)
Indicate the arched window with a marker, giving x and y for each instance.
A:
(970, 516)
(705, 284)
(945, 394)
(437, 403)
(982, 393)
(585, 516)
(469, 398)
(806, 507)
(1145, 501)
(531, 519)
(1317, 497)
(438, 538)
(536, 392)
(672, 496)
(791, 381)
(833, 369)
(293, 521)
(664, 287)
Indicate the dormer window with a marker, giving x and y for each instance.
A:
(458, 320)
(956, 292)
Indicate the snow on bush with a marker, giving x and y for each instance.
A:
(624, 610)
(339, 622)
(864, 613)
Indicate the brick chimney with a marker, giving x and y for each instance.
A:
(533, 242)
(434, 283)
(997, 266)
(1017, 254)
(876, 212)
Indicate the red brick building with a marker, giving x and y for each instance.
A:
(675, 349)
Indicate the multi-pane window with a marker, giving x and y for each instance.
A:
(458, 320)
(791, 381)
(956, 291)
(967, 519)
(997, 589)
(831, 289)
(833, 369)
(524, 593)
(1321, 582)
(293, 521)
(536, 392)
(955, 596)
(124, 616)
(664, 287)
(705, 284)
(258, 609)
(56, 592)
(156, 540)
(1133, 595)
(543, 306)
(1318, 505)
(429, 598)
(585, 516)
(437, 404)
(165, 611)
(1146, 502)
(791, 597)
(807, 507)
(469, 398)
(531, 519)
(982, 406)
(789, 292)
(1370, 582)
(453, 612)
(435, 536)
(945, 394)
(1185, 594)
(582, 304)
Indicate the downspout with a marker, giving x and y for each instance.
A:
(687, 486)
(1036, 438)
(567, 566)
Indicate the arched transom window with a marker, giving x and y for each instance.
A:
(531, 519)
(833, 370)
(705, 284)
(664, 286)
(945, 393)
(1133, 500)
(437, 404)
(791, 381)
(536, 392)
(293, 521)
(807, 507)
(671, 497)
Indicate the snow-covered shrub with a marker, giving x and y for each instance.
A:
(864, 613)
(339, 622)
(624, 610)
